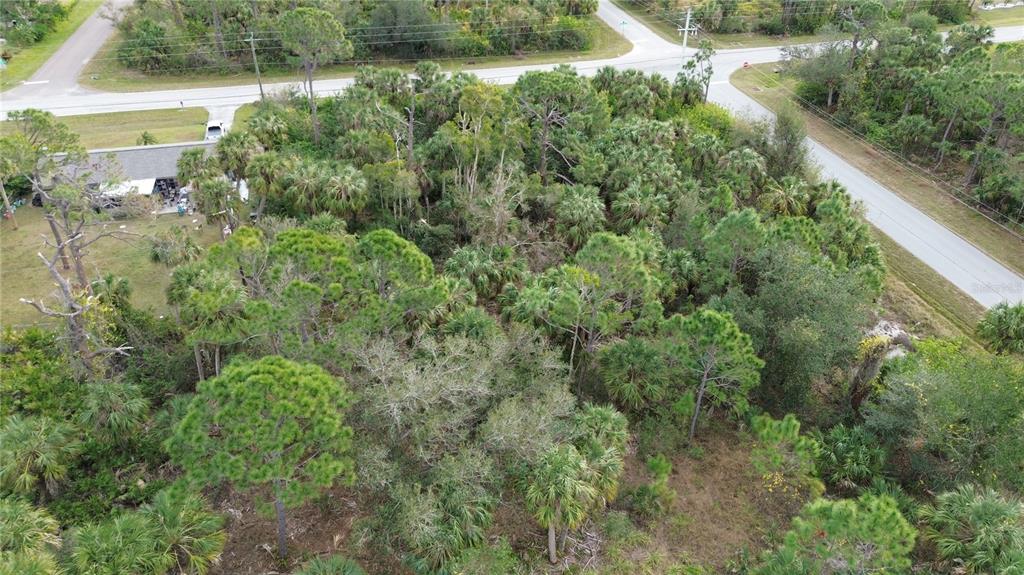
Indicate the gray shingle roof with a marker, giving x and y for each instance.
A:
(139, 163)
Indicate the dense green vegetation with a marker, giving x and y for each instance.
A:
(182, 35)
(26, 22)
(955, 105)
(798, 17)
(453, 317)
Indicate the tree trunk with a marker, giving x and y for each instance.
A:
(59, 241)
(945, 136)
(853, 49)
(696, 407)
(7, 205)
(282, 523)
(831, 94)
(312, 103)
(409, 160)
(218, 34)
(552, 544)
(216, 360)
(176, 11)
(543, 167)
(199, 362)
(261, 206)
(76, 258)
(978, 148)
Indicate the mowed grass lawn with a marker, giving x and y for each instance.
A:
(27, 60)
(105, 72)
(23, 275)
(667, 28)
(119, 129)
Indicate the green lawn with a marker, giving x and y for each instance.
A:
(242, 115)
(27, 60)
(106, 73)
(119, 129)
(667, 28)
(23, 275)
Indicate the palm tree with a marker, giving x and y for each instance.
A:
(265, 175)
(747, 165)
(114, 409)
(194, 166)
(305, 184)
(217, 200)
(33, 449)
(705, 150)
(270, 129)
(193, 535)
(234, 152)
(1002, 328)
(344, 190)
(787, 197)
(602, 424)
(560, 493)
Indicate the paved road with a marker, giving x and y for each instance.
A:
(59, 74)
(956, 259)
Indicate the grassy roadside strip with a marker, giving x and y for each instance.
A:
(107, 74)
(915, 294)
(923, 301)
(667, 30)
(119, 129)
(27, 60)
(769, 90)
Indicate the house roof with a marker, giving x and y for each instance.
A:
(145, 162)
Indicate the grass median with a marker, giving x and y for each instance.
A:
(105, 72)
(120, 129)
(27, 60)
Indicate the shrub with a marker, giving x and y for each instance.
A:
(36, 377)
(976, 529)
(653, 499)
(849, 457)
(35, 452)
(866, 535)
(25, 530)
(193, 536)
(786, 459)
(129, 543)
(1002, 328)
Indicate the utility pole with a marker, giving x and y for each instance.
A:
(256, 63)
(687, 29)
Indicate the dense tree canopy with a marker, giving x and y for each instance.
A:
(463, 316)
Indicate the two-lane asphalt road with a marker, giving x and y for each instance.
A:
(59, 74)
(964, 265)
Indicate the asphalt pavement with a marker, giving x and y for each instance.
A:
(59, 74)
(964, 265)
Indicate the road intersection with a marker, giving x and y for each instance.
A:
(964, 265)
